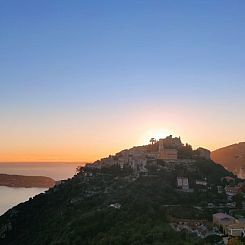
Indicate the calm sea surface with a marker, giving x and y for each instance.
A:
(9, 197)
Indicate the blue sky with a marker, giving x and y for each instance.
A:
(93, 60)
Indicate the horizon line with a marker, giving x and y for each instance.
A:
(58, 162)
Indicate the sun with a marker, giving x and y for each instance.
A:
(154, 133)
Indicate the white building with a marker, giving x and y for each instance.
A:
(115, 205)
(183, 183)
(201, 182)
(230, 225)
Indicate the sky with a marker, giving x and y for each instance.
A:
(80, 80)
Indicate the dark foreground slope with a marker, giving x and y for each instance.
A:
(26, 181)
(79, 211)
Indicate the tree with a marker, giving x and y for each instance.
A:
(238, 199)
(185, 152)
(79, 169)
(153, 141)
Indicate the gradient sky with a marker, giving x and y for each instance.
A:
(83, 79)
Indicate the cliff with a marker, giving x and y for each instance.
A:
(26, 181)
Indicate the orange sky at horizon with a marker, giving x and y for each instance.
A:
(92, 152)
(74, 139)
(73, 156)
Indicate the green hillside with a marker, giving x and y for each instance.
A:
(79, 210)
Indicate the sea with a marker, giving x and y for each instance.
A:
(10, 197)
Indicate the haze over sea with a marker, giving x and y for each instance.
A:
(9, 196)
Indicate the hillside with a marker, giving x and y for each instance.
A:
(26, 181)
(231, 157)
(113, 205)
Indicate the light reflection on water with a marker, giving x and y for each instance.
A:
(10, 197)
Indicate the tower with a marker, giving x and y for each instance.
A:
(161, 145)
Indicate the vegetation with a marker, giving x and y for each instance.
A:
(78, 211)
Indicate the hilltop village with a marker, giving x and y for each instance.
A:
(170, 153)
(170, 150)
(161, 193)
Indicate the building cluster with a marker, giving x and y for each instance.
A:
(223, 225)
(183, 183)
(134, 158)
(200, 228)
(226, 225)
(138, 157)
(231, 189)
(229, 225)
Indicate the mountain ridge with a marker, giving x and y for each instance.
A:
(231, 157)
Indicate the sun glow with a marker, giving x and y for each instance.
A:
(154, 133)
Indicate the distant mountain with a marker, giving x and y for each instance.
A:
(231, 157)
(26, 181)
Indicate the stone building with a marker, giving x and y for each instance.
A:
(170, 142)
(203, 153)
(166, 154)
